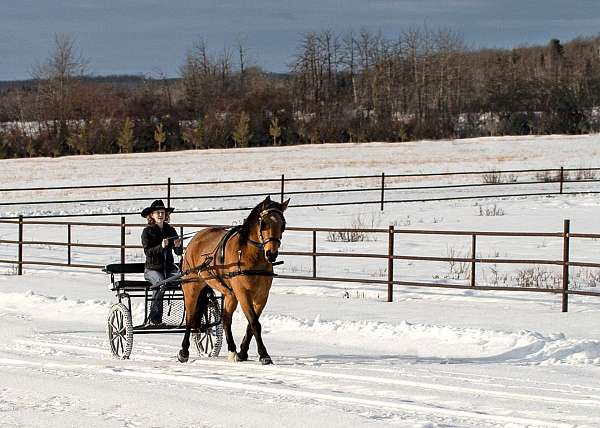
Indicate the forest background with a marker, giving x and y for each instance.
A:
(350, 87)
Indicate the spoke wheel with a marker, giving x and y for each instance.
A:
(120, 331)
(209, 338)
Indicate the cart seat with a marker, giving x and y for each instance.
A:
(129, 284)
(117, 268)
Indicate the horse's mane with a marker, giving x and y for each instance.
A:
(252, 219)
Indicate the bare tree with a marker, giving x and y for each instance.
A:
(165, 85)
(198, 74)
(240, 46)
(348, 59)
(57, 77)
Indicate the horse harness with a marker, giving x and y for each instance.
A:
(219, 253)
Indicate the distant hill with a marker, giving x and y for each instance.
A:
(118, 79)
(129, 80)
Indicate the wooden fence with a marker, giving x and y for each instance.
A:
(392, 276)
(518, 182)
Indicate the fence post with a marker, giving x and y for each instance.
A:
(282, 187)
(314, 250)
(562, 178)
(390, 284)
(122, 245)
(473, 256)
(382, 189)
(169, 193)
(565, 275)
(182, 246)
(20, 264)
(69, 243)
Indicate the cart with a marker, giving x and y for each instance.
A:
(123, 323)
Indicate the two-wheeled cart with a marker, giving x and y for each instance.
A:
(125, 321)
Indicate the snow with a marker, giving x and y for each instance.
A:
(343, 356)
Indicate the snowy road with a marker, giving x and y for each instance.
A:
(375, 392)
(56, 371)
(339, 390)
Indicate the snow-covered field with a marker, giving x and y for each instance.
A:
(433, 357)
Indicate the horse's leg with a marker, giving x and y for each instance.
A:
(191, 296)
(245, 345)
(255, 328)
(229, 307)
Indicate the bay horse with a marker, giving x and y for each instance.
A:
(238, 263)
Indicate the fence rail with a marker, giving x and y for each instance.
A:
(392, 255)
(551, 181)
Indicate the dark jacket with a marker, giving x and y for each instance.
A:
(158, 258)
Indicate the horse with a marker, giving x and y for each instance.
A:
(238, 263)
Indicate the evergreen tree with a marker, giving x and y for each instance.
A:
(80, 140)
(275, 130)
(241, 135)
(126, 139)
(160, 135)
(195, 135)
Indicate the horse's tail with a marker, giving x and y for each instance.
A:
(201, 305)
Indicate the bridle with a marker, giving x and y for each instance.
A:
(261, 218)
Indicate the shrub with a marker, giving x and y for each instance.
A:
(491, 211)
(492, 177)
(585, 174)
(496, 177)
(457, 269)
(537, 277)
(354, 234)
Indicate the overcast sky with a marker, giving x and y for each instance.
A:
(151, 36)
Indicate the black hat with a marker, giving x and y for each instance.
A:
(156, 205)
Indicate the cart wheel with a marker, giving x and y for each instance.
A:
(120, 331)
(210, 337)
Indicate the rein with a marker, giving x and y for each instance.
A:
(205, 266)
(184, 236)
(220, 250)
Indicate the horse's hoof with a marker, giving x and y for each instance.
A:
(266, 360)
(242, 356)
(233, 357)
(183, 356)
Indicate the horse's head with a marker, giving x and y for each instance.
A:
(270, 227)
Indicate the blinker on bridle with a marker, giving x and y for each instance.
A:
(262, 216)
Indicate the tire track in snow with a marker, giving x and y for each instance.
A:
(150, 374)
(593, 402)
(589, 400)
(553, 387)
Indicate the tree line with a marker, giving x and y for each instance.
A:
(350, 87)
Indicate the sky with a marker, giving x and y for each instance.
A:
(153, 37)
